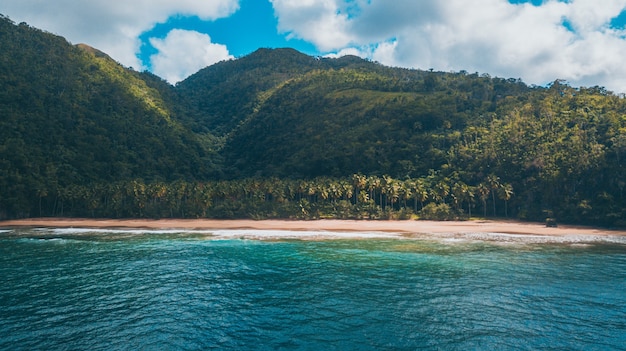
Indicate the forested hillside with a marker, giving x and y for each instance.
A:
(367, 119)
(70, 115)
(281, 134)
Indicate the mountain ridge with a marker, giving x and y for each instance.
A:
(77, 128)
(72, 116)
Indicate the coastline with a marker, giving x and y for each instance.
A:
(406, 228)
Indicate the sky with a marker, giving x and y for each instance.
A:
(580, 41)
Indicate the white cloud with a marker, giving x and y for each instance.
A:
(183, 52)
(317, 21)
(382, 52)
(487, 36)
(591, 15)
(112, 26)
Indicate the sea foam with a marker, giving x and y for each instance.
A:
(267, 234)
(291, 234)
(525, 238)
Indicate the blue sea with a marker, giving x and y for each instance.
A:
(82, 289)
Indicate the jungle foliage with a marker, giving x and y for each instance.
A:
(284, 135)
(71, 115)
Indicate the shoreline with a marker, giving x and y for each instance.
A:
(404, 227)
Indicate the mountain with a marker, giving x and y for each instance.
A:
(283, 113)
(72, 115)
(360, 118)
(281, 134)
(298, 117)
(223, 95)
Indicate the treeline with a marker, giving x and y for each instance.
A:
(562, 148)
(357, 197)
(80, 135)
(70, 115)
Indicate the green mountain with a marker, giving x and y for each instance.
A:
(560, 147)
(71, 115)
(282, 113)
(281, 134)
(361, 118)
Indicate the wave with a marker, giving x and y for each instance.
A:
(259, 234)
(79, 231)
(291, 234)
(267, 234)
(411, 293)
(525, 238)
(49, 240)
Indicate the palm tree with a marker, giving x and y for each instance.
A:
(406, 191)
(176, 198)
(359, 182)
(505, 192)
(441, 190)
(483, 191)
(276, 189)
(138, 189)
(494, 184)
(373, 185)
(323, 189)
(457, 194)
(468, 192)
(391, 190)
(41, 193)
(205, 198)
(420, 193)
(311, 190)
(347, 189)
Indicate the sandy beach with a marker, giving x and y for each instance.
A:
(404, 227)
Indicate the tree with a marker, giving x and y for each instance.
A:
(483, 191)
(420, 193)
(494, 185)
(359, 182)
(406, 191)
(468, 192)
(505, 192)
(441, 190)
(391, 189)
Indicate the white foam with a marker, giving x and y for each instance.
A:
(291, 234)
(266, 234)
(78, 231)
(525, 238)
(259, 234)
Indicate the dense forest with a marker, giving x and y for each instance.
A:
(279, 134)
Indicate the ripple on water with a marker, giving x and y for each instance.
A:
(132, 290)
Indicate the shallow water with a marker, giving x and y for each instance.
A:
(172, 290)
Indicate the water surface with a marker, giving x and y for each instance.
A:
(169, 290)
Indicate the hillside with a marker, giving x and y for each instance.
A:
(70, 115)
(282, 113)
(281, 134)
(557, 149)
(365, 119)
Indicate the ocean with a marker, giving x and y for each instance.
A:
(85, 289)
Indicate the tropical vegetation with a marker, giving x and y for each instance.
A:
(357, 197)
(279, 134)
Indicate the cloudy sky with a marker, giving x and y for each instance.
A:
(581, 41)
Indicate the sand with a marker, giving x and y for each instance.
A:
(405, 227)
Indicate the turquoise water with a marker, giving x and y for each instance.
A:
(121, 290)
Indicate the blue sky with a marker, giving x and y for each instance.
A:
(251, 27)
(580, 41)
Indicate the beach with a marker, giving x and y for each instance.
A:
(406, 227)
